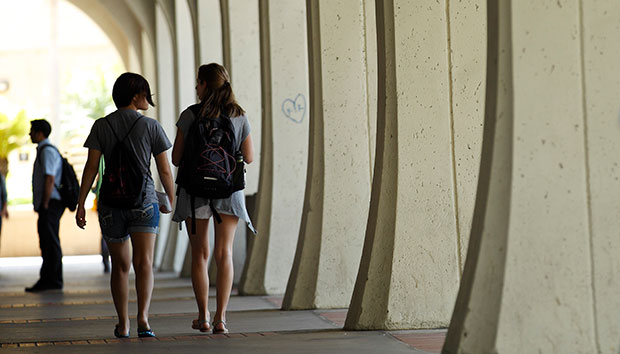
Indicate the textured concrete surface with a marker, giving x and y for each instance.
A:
(338, 186)
(284, 147)
(81, 318)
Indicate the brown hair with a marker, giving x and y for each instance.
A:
(218, 97)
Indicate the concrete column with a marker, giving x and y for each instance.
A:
(467, 42)
(284, 146)
(185, 72)
(370, 29)
(338, 183)
(244, 70)
(166, 102)
(527, 282)
(186, 63)
(601, 49)
(210, 31)
(409, 271)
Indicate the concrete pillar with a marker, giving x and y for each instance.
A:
(411, 251)
(184, 73)
(370, 29)
(527, 282)
(467, 41)
(210, 31)
(166, 102)
(284, 147)
(601, 50)
(244, 70)
(186, 63)
(338, 183)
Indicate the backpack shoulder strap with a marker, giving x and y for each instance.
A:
(133, 125)
(129, 131)
(230, 126)
(55, 148)
(113, 131)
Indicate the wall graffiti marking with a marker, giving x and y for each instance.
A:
(295, 110)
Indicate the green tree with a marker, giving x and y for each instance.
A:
(13, 134)
(94, 96)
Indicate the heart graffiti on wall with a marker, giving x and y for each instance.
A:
(295, 110)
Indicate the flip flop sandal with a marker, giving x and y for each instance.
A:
(117, 334)
(201, 325)
(146, 333)
(224, 330)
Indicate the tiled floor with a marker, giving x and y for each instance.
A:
(81, 319)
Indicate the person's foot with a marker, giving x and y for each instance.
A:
(219, 327)
(201, 325)
(145, 333)
(106, 267)
(119, 334)
(38, 287)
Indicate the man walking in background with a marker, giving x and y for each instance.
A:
(46, 174)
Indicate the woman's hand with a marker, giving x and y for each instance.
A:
(80, 216)
(164, 210)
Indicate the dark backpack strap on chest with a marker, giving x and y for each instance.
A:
(129, 131)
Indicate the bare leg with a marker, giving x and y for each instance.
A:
(224, 236)
(121, 262)
(143, 246)
(200, 275)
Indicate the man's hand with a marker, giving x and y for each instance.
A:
(5, 212)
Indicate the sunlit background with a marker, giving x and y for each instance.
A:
(57, 64)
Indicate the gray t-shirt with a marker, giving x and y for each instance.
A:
(145, 139)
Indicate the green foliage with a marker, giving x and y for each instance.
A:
(13, 132)
(94, 97)
(19, 201)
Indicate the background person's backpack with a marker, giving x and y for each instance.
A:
(69, 187)
(123, 184)
(209, 165)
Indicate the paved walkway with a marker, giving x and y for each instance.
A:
(81, 319)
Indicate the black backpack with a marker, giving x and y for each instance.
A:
(123, 185)
(69, 187)
(211, 167)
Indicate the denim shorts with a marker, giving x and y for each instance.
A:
(117, 224)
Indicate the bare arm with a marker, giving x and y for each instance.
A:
(88, 176)
(163, 167)
(177, 149)
(247, 149)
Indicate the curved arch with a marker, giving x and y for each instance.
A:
(124, 35)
